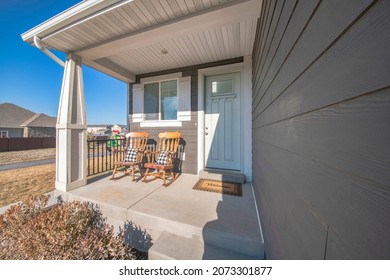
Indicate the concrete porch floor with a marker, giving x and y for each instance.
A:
(177, 222)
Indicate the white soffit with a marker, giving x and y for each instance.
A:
(218, 43)
(126, 38)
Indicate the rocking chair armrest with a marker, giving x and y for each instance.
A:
(151, 152)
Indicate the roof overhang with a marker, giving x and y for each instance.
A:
(126, 38)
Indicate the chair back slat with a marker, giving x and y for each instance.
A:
(169, 141)
(137, 140)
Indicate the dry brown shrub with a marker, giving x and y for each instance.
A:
(67, 231)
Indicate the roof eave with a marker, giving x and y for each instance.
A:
(67, 17)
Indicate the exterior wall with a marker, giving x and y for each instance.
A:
(13, 132)
(321, 128)
(189, 128)
(39, 132)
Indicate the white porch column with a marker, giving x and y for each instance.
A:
(71, 129)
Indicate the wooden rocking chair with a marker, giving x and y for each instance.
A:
(132, 154)
(162, 160)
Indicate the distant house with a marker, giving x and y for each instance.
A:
(16, 121)
(105, 129)
(99, 129)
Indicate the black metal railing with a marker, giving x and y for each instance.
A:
(102, 153)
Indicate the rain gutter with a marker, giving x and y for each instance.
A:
(37, 43)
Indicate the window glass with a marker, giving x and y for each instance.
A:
(151, 100)
(221, 87)
(169, 100)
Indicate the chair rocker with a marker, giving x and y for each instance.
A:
(131, 157)
(162, 160)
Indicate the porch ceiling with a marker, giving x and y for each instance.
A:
(125, 38)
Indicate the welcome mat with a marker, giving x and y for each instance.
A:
(219, 187)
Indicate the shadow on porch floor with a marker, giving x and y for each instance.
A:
(177, 222)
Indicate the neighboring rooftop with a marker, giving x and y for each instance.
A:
(13, 116)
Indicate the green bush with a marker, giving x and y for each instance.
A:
(67, 231)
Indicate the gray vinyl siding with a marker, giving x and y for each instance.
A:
(189, 130)
(13, 132)
(321, 128)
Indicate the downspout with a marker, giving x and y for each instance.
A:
(37, 43)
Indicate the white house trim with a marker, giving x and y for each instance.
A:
(71, 129)
(160, 78)
(70, 16)
(247, 117)
(245, 69)
(161, 123)
(183, 100)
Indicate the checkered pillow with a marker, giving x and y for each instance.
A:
(163, 158)
(131, 155)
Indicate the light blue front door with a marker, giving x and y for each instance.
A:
(223, 122)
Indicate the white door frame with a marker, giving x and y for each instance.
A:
(245, 68)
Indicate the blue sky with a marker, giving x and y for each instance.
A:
(30, 79)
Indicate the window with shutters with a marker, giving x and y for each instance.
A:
(162, 101)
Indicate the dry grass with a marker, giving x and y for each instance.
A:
(18, 184)
(26, 156)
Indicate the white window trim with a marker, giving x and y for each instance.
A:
(159, 98)
(162, 123)
(2, 131)
(183, 106)
(161, 78)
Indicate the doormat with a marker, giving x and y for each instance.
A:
(219, 187)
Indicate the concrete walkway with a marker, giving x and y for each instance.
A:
(178, 222)
(26, 164)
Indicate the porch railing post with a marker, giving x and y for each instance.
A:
(71, 129)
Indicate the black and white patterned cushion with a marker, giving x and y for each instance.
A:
(163, 158)
(131, 155)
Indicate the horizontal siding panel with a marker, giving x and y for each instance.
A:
(301, 16)
(354, 208)
(282, 208)
(319, 34)
(321, 129)
(270, 32)
(280, 31)
(349, 69)
(362, 127)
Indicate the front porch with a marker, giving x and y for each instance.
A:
(177, 222)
